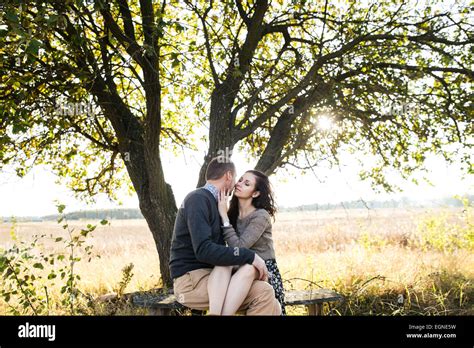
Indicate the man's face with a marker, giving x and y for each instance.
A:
(230, 182)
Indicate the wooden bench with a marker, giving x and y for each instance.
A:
(158, 303)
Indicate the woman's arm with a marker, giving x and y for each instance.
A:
(249, 236)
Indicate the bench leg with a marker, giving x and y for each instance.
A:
(159, 311)
(315, 309)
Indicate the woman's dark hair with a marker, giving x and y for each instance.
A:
(264, 201)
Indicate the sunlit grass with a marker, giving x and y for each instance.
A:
(390, 262)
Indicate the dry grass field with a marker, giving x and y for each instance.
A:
(384, 261)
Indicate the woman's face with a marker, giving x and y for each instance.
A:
(245, 186)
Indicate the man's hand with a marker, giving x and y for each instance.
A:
(261, 267)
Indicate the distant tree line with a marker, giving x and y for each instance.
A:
(393, 203)
(124, 214)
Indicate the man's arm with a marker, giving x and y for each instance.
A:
(205, 249)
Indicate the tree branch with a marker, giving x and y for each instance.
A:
(130, 45)
(207, 43)
(127, 19)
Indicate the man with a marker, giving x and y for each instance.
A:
(198, 245)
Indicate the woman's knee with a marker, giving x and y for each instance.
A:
(248, 270)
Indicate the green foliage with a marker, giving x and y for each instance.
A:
(28, 273)
(443, 234)
(50, 112)
(20, 281)
(371, 241)
(383, 72)
(127, 276)
(442, 293)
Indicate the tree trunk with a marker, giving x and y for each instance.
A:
(271, 156)
(220, 129)
(156, 200)
(160, 213)
(139, 146)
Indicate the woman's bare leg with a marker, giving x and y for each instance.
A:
(238, 289)
(217, 285)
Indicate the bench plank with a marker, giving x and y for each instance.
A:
(307, 297)
(155, 300)
(313, 299)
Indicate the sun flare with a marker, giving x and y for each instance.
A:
(325, 122)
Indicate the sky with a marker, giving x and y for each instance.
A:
(35, 194)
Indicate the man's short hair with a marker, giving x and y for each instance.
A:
(218, 166)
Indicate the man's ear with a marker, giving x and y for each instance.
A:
(255, 194)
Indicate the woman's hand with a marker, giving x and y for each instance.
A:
(222, 205)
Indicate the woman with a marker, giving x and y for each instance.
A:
(246, 224)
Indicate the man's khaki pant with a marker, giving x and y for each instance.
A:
(191, 290)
